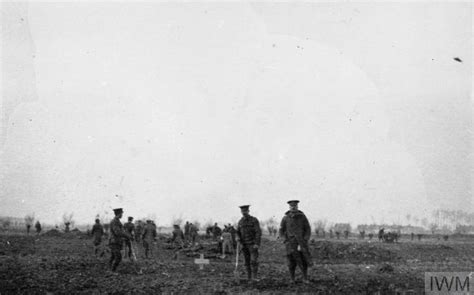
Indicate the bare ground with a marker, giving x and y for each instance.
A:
(63, 263)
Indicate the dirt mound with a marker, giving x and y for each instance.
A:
(53, 233)
(329, 252)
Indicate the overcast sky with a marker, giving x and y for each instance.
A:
(357, 109)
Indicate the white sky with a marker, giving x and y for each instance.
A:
(358, 110)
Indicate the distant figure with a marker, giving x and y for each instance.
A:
(331, 234)
(97, 232)
(316, 231)
(186, 231)
(346, 234)
(296, 231)
(28, 226)
(148, 237)
(38, 227)
(412, 236)
(117, 235)
(138, 231)
(419, 236)
(398, 235)
(67, 224)
(233, 233)
(193, 233)
(362, 234)
(371, 236)
(216, 231)
(178, 236)
(227, 245)
(381, 234)
(129, 227)
(338, 235)
(270, 230)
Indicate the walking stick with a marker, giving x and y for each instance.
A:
(134, 256)
(236, 271)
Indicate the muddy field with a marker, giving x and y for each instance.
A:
(64, 263)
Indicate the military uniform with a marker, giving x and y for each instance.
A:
(295, 232)
(138, 231)
(97, 232)
(178, 237)
(227, 245)
(129, 227)
(249, 235)
(38, 227)
(186, 231)
(193, 232)
(148, 237)
(117, 236)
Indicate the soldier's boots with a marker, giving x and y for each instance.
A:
(255, 273)
(292, 277)
(305, 277)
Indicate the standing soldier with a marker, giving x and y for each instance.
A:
(296, 231)
(148, 237)
(178, 237)
(193, 232)
(97, 232)
(138, 231)
(227, 245)
(129, 227)
(186, 231)
(38, 227)
(249, 235)
(117, 235)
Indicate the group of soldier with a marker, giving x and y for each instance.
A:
(295, 232)
(37, 227)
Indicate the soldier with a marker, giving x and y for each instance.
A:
(249, 236)
(97, 232)
(381, 234)
(117, 235)
(186, 231)
(28, 226)
(129, 227)
(346, 234)
(216, 231)
(193, 232)
(38, 227)
(227, 245)
(296, 231)
(138, 231)
(148, 237)
(178, 237)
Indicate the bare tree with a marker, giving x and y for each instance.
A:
(433, 228)
(68, 221)
(29, 219)
(6, 223)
